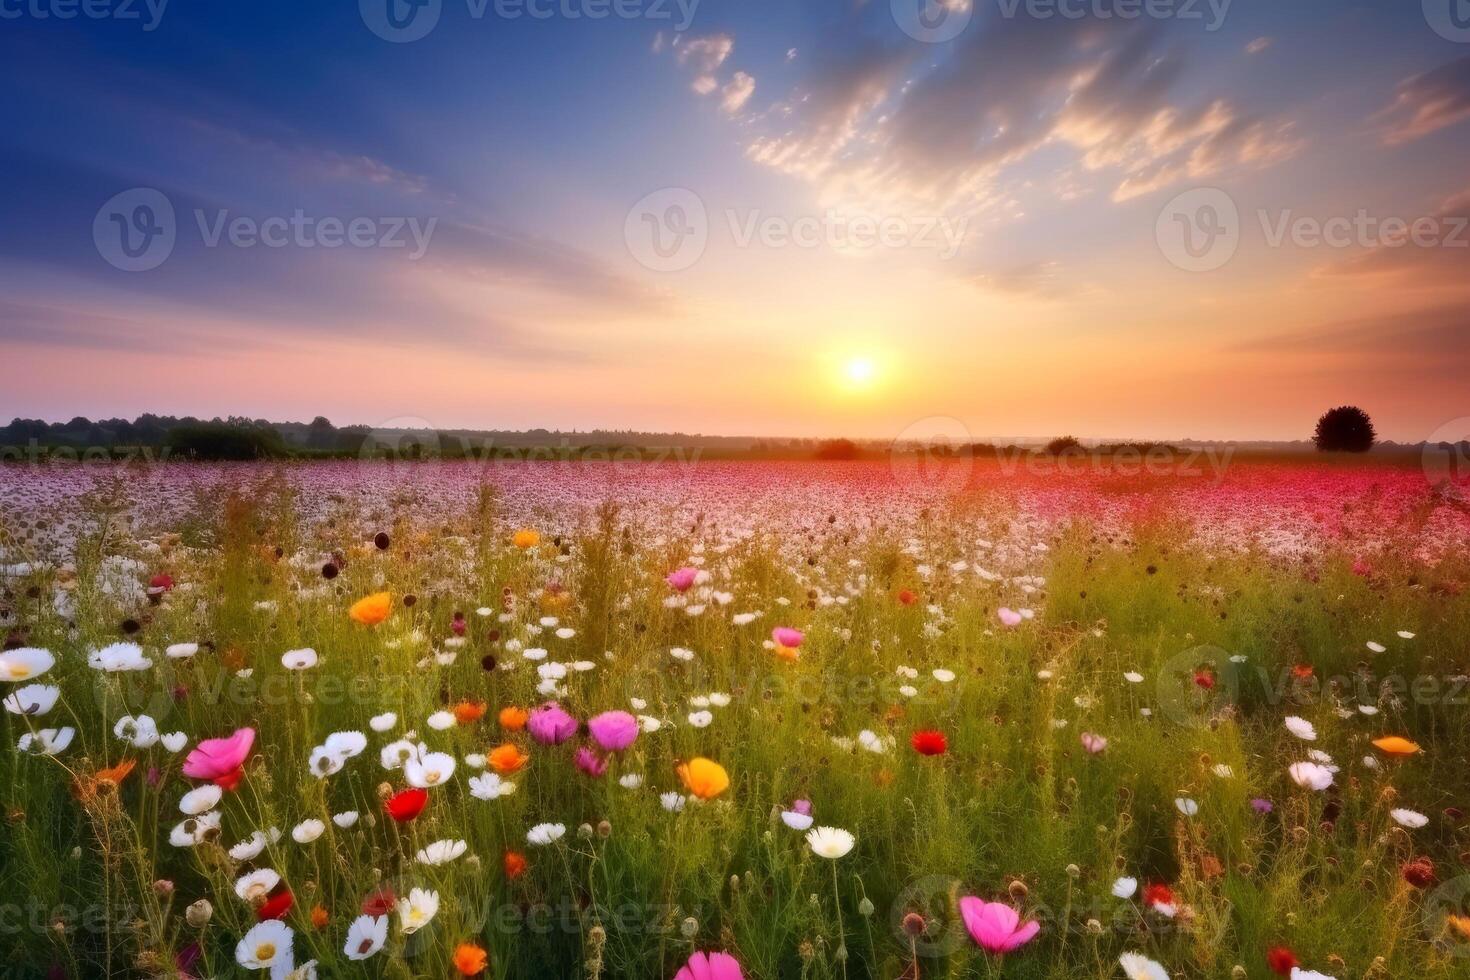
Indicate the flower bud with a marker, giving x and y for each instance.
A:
(199, 913)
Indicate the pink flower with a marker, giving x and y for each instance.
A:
(217, 758)
(613, 730)
(590, 762)
(1009, 616)
(551, 725)
(682, 580)
(996, 927)
(710, 966)
(785, 636)
(1094, 744)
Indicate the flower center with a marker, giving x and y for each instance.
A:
(265, 951)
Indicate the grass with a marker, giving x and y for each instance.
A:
(1014, 811)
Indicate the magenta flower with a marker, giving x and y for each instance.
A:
(710, 966)
(613, 730)
(215, 758)
(682, 580)
(996, 927)
(550, 724)
(785, 636)
(1009, 617)
(590, 762)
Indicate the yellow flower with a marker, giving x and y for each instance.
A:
(526, 538)
(704, 778)
(372, 610)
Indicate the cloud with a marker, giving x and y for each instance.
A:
(704, 84)
(882, 122)
(1438, 256)
(1040, 279)
(1427, 103)
(315, 161)
(737, 93)
(1431, 344)
(1259, 44)
(707, 53)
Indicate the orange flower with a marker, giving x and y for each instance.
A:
(507, 758)
(319, 917)
(1394, 745)
(515, 864)
(470, 959)
(371, 610)
(526, 538)
(1459, 923)
(87, 787)
(704, 778)
(469, 712)
(513, 719)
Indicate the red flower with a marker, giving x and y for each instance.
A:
(380, 902)
(929, 743)
(906, 598)
(1303, 671)
(1420, 872)
(406, 805)
(1204, 679)
(276, 906)
(230, 780)
(515, 865)
(1281, 960)
(1158, 894)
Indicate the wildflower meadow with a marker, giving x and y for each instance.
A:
(732, 720)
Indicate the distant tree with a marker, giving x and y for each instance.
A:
(321, 434)
(225, 441)
(837, 449)
(1347, 429)
(1063, 445)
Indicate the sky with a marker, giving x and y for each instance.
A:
(1114, 218)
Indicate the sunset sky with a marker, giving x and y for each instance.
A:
(1025, 170)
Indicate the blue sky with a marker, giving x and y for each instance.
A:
(1048, 146)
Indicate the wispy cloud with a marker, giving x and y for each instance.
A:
(1427, 103)
(880, 123)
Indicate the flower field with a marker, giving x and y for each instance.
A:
(707, 721)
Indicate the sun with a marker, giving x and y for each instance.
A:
(860, 372)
